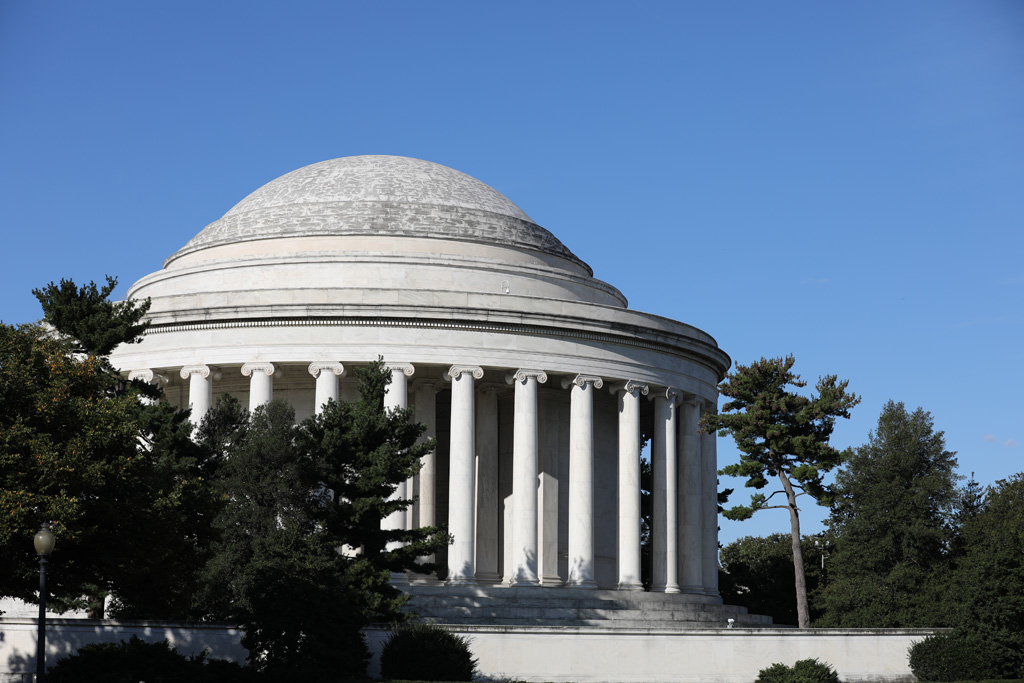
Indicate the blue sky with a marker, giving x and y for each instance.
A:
(840, 181)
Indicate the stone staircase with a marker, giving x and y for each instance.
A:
(574, 607)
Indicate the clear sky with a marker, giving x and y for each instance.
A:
(840, 181)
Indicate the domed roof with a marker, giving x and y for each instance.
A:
(378, 195)
(375, 178)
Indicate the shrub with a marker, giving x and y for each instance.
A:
(426, 652)
(963, 657)
(137, 660)
(804, 671)
(813, 671)
(776, 673)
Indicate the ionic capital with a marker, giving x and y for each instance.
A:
(404, 368)
(456, 371)
(582, 381)
(267, 369)
(203, 371)
(521, 375)
(316, 367)
(630, 386)
(673, 396)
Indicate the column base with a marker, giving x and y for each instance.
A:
(665, 588)
(461, 581)
(399, 579)
(488, 577)
(629, 586)
(582, 584)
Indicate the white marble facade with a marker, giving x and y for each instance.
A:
(537, 381)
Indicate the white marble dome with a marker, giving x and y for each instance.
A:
(335, 264)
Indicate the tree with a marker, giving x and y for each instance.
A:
(782, 435)
(891, 512)
(988, 578)
(94, 324)
(757, 573)
(299, 500)
(114, 476)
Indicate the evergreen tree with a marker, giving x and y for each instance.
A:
(891, 521)
(303, 562)
(782, 435)
(117, 479)
(986, 592)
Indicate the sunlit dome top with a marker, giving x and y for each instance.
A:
(378, 195)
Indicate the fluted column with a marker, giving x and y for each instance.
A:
(709, 486)
(261, 383)
(200, 391)
(396, 397)
(581, 480)
(487, 498)
(461, 476)
(629, 485)
(691, 506)
(664, 577)
(327, 374)
(525, 452)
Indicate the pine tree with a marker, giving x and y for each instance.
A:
(890, 516)
(782, 435)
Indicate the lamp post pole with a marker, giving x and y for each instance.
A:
(44, 542)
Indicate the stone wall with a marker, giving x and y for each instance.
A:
(602, 655)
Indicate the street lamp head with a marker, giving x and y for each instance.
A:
(44, 540)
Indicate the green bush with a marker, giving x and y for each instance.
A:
(804, 671)
(426, 652)
(137, 660)
(776, 673)
(964, 657)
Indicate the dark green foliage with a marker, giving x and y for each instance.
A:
(96, 324)
(295, 497)
(137, 660)
(757, 573)
(890, 518)
(963, 656)
(419, 651)
(118, 481)
(776, 673)
(784, 436)
(987, 582)
(803, 671)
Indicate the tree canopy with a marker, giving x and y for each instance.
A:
(302, 562)
(891, 512)
(117, 478)
(781, 435)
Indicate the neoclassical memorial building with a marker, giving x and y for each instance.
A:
(537, 381)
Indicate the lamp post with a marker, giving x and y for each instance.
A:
(44, 542)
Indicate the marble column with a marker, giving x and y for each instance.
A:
(327, 374)
(709, 486)
(691, 508)
(487, 499)
(664, 576)
(525, 452)
(425, 413)
(261, 383)
(200, 391)
(628, 550)
(396, 397)
(461, 476)
(581, 480)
